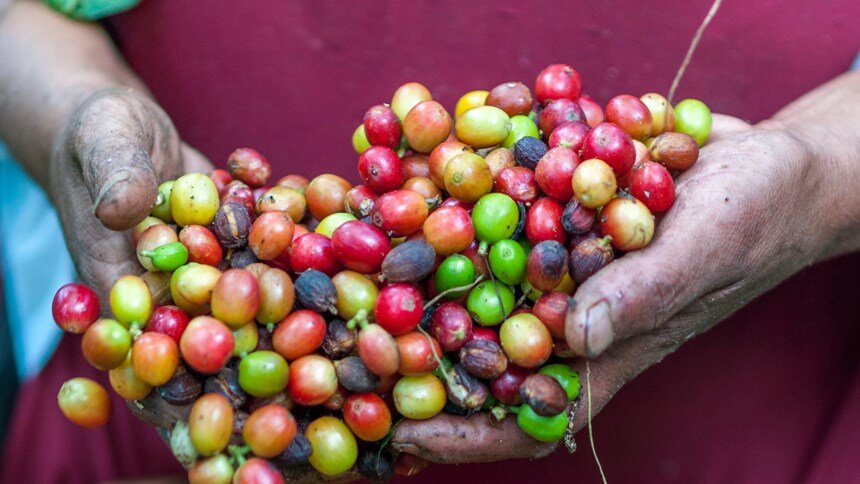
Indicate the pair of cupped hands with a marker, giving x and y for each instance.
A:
(726, 240)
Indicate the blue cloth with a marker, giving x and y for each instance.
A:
(35, 263)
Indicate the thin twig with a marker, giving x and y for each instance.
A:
(693, 45)
(452, 290)
(590, 432)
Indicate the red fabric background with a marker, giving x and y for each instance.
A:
(772, 395)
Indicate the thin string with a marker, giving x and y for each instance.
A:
(714, 7)
(590, 432)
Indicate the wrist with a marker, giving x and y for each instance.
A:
(832, 152)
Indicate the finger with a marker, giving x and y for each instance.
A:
(452, 439)
(698, 247)
(724, 126)
(123, 144)
(194, 161)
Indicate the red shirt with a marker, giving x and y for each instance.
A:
(770, 395)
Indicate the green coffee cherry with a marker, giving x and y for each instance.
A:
(167, 257)
(693, 117)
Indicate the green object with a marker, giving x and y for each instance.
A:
(167, 257)
(521, 126)
(495, 217)
(566, 377)
(263, 373)
(508, 261)
(693, 117)
(525, 244)
(484, 305)
(440, 370)
(90, 9)
(455, 271)
(359, 140)
(245, 338)
(161, 209)
(328, 225)
(527, 288)
(483, 126)
(545, 429)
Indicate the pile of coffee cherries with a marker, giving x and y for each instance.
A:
(297, 323)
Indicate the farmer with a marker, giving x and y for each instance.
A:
(772, 394)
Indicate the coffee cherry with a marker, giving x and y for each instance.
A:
(441, 155)
(249, 166)
(470, 100)
(381, 169)
(544, 395)
(277, 296)
(418, 353)
(484, 304)
(85, 402)
(676, 151)
(419, 397)
(154, 357)
(214, 470)
(662, 113)
(518, 183)
(206, 344)
(131, 301)
(75, 307)
(483, 126)
(300, 334)
(652, 184)
(468, 177)
(398, 308)
(630, 114)
(588, 257)
(426, 125)
(105, 344)
(283, 199)
(521, 127)
(194, 200)
(628, 222)
(551, 308)
(613, 145)
(543, 222)
(202, 245)
(257, 471)
(360, 246)
(407, 97)
(484, 359)
(263, 373)
(593, 183)
(547, 265)
(236, 298)
(526, 340)
(378, 350)
(127, 384)
(569, 135)
(554, 172)
(558, 81)
(451, 326)
(693, 117)
(399, 213)
(325, 195)
(506, 387)
(269, 430)
(210, 424)
(354, 293)
(334, 447)
(558, 112)
(382, 126)
(270, 235)
(367, 416)
(314, 251)
(593, 112)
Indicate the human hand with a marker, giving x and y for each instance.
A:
(118, 145)
(746, 217)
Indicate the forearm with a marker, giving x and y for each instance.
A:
(48, 65)
(827, 122)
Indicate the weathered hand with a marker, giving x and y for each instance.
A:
(746, 217)
(117, 146)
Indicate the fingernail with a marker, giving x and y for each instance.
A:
(598, 329)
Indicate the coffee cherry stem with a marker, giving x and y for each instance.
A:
(606, 241)
(452, 290)
(442, 369)
(360, 319)
(499, 412)
(238, 453)
(495, 285)
(483, 247)
(135, 330)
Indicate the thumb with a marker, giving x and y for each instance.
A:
(121, 142)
